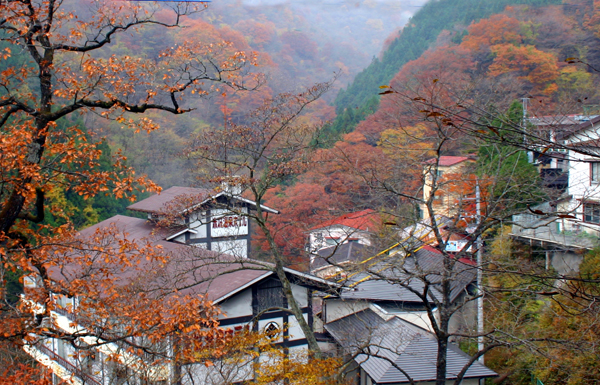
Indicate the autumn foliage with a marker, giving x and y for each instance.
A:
(55, 66)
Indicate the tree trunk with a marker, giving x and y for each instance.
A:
(287, 289)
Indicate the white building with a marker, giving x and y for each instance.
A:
(570, 225)
(248, 293)
(214, 220)
(352, 227)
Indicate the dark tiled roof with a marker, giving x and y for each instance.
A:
(380, 342)
(390, 279)
(158, 202)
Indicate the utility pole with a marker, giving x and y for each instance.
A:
(523, 128)
(480, 345)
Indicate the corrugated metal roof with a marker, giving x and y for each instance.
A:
(396, 277)
(380, 342)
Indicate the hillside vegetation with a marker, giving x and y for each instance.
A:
(357, 101)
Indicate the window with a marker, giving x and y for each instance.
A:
(595, 172)
(272, 330)
(269, 294)
(591, 212)
(330, 241)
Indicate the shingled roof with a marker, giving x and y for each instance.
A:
(159, 202)
(382, 345)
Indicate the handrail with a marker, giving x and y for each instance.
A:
(68, 366)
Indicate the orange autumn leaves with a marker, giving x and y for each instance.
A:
(510, 43)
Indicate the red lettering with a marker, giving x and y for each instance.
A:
(229, 221)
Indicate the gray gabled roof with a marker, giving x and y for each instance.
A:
(382, 345)
(340, 254)
(395, 277)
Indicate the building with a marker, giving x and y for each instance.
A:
(357, 227)
(380, 319)
(445, 174)
(391, 350)
(566, 228)
(248, 293)
(214, 220)
(396, 284)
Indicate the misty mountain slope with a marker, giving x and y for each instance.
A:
(416, 37)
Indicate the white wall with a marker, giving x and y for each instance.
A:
(337, 308)
(580, 185)
(300, 294)
(336, 235)
(198, 223)
(237, 306)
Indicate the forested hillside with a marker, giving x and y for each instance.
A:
(357, 101)
(518, 53)
(294, 45)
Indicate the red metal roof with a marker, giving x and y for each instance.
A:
(447, 160)
(366, 220)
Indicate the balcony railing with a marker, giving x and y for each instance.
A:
(83, 376)
(545, 228)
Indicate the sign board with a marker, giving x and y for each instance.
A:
(225, 224)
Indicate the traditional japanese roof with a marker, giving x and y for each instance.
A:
(185, 198)
(384, 344)
(366, 220)
(446, 160)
